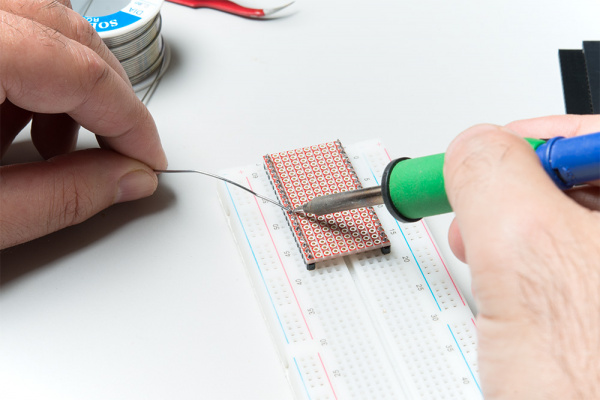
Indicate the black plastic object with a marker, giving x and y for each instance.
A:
(580, 71)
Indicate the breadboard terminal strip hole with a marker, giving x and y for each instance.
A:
(367, 326)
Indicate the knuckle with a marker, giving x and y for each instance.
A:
(465, 173)
(85, 33)
(39, 7)
(71, 202)
(470, 142)
(475, 154)
(54, 3)
(97, 70)
(92, 73)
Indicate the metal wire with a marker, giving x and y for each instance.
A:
(177, 171)
(86, 7)
(144, 64)
(140, 51)
(152, 84)
(139, 43)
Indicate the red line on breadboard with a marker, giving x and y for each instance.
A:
(327, 375)
(473, 321)
(443, 263)
(280, 260)
(387, 154)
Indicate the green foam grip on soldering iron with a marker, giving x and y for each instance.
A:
(413, 188)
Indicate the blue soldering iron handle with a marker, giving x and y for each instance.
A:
(571, 161)
(413, 188)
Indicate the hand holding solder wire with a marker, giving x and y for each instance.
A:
(534, 256)
(67, 67)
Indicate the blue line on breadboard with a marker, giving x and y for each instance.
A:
(431, 291)
(310, 386)
(463, 356)
(410, 248)
(418, 265)
(257, 265)
(301, 378)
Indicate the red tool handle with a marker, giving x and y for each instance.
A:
(223, 5)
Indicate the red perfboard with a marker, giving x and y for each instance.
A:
(302, 174)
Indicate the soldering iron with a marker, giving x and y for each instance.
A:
(413, 188)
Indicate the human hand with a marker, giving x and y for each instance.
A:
(55, 69)
(534, 254)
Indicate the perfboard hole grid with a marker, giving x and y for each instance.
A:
(366, 326)
(301, 174)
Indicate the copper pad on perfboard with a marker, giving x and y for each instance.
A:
(302, 174)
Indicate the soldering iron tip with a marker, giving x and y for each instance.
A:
(271, 11)
(298, 210)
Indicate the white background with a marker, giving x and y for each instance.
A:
(149, 300)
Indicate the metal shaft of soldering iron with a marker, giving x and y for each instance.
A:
(413, 188)
(342, 201)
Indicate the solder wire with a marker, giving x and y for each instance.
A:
(128, 49)
(177, 171)
(143, 63)
(86, 7)
(140, 51)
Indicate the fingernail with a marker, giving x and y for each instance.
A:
(136, 185)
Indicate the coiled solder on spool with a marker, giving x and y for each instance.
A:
(133, 34)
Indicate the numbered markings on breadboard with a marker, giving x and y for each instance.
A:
(366, 326)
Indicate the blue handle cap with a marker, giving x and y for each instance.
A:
(571, 161)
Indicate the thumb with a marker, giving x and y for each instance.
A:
(43, 197)
(509, 213)
(533, 254)
(498, 189)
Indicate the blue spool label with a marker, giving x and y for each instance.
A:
(135, 14)
(113, 21)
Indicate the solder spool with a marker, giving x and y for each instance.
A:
(133, 34)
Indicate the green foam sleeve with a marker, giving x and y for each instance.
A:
(413, 188)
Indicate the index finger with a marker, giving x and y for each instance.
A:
(60, 75)
(58, 15)
(556, 125)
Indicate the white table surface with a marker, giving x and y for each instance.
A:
(149, 300)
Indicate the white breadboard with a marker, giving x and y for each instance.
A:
(367, 326)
